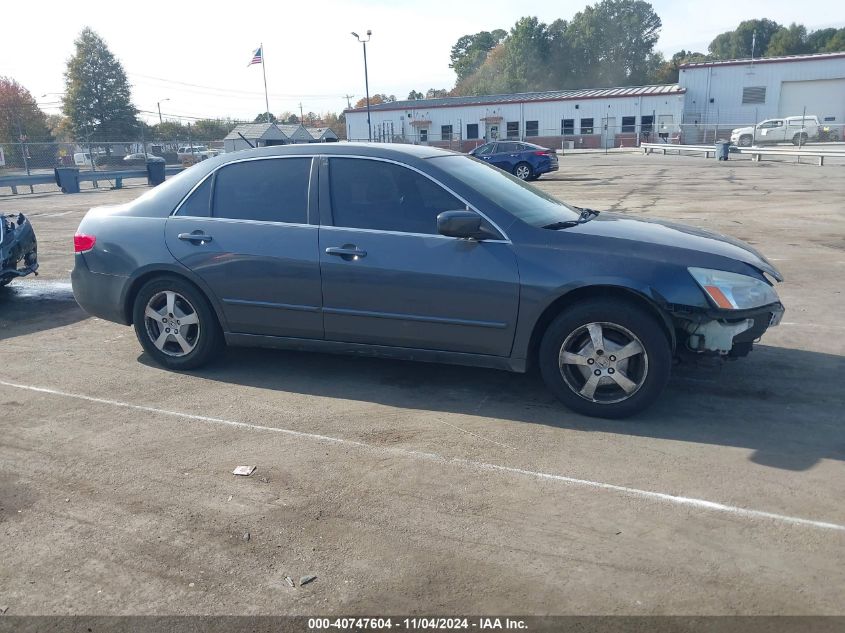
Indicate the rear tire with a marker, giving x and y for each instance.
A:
(523, 171)
(595, 381)
(799, 139)
(175, 324)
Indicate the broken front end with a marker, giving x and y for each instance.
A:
(18, 248)
(743, 309)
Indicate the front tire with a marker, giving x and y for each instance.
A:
(175, 324)
(799, 139)
(607, 359)
(522, 171)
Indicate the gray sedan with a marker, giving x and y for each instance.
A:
(418, 253)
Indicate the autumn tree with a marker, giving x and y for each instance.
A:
(375, 100)
(22, 120)
(97, 100)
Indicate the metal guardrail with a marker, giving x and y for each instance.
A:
(116, 175)
(648, 148)
(756, 153)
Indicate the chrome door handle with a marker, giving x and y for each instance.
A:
(194, 237)
(348, 252)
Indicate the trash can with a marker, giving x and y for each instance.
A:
(67, 178)
(723, 149)
(155, 172)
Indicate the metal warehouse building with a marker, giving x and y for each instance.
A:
(708, 101)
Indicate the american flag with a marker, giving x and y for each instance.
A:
(256, 57)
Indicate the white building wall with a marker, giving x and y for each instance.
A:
(548, 114)
(714, 93)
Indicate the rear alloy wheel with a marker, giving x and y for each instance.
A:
(605, 359)
(175, 325)
(799, 139)
(522, 171)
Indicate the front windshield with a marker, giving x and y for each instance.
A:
(529, 204)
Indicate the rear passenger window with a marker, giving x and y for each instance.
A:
(272, 190)
(198, 203)
(371, 194)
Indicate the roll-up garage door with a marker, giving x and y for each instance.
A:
(823, 97)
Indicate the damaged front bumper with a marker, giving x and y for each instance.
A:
(18, 248)
(729, 334)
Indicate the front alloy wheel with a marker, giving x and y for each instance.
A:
(606, 358)
(603, 362)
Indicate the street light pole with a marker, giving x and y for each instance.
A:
(366, 81)
(158, 104)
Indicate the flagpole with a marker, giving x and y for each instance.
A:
(264, 72)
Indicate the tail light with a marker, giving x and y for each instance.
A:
(82, 242)
(544, 152)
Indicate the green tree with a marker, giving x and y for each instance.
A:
(212, 129)
(737, 43)
(667, 72)
(470, 51)
(436, 93)
(262, 118)
(828, 42)
(526, 56)
(168, 131)
(613, 43)
(414, 95)
(97, 100)
(791, 40)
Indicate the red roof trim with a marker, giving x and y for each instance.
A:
(763, 60)
(497, 103)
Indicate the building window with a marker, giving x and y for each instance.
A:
(423, 136)
(647, 124)
(446, 132)
(567, 127)
(586, 126)
(472, 130)
(532, 128)
(754, 94)
(629, 124)
(513, 129)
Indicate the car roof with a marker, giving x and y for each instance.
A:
(376, 150)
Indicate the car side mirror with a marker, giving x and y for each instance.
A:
(463, 224)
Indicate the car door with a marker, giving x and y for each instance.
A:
(390, 279)
(245, 232)
(485, 152)
(502, 156)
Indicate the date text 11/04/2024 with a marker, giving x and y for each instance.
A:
(416, 624)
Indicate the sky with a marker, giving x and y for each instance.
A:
(193, 56)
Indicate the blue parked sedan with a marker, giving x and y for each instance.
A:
(526, 161)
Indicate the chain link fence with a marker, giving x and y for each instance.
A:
(24, 158)
(606, 134)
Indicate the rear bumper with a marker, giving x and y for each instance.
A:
(100, 295)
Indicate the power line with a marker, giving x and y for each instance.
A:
(235, 91)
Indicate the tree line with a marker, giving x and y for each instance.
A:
(608, 44)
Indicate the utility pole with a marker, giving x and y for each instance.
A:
(301, 116)
(348, 102)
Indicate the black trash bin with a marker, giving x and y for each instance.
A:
(155, 172)
(67, 178)
(723, 149)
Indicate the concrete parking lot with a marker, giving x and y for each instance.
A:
(415, 488)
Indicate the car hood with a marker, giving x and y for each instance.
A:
(613, 225)
(742, 130)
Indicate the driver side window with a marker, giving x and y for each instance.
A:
(372, 194)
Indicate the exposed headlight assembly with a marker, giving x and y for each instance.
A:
(732, 291)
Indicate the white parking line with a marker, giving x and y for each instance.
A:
(702, 504)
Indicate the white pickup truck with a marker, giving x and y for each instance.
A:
(797, 129)
(196, 152)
